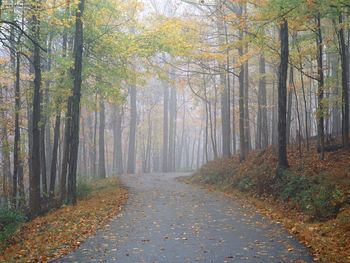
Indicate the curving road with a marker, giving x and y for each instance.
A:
(168, 221)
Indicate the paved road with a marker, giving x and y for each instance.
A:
(168, 221)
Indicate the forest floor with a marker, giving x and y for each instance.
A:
(312, 201)
(166, 220)
(59, 232)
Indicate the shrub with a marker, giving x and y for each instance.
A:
(217, 172)
(10, 220)
(262, 176)
(84, 187)
(245, 184)
(312, 195)
(321, 201)
(290, 186)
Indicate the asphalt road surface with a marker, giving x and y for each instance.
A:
(169, 221)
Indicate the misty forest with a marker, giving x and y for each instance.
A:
(174, 131)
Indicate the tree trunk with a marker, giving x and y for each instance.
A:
(94, 150)
(75, 105)
(263, 105)
(43, 154)
(336, 108)
(320, 110)
(344, 56)
(53, 167)
(242, 141)
(101, 142)
(165, 129)
(46, 123)
(225, 118)
(5, 154)
(247, 136)
(117, 140)
(17, 160)
(34, 180)
(234, 143)
(132, 132)
(172, 134)
(282, 99)
(290, 102)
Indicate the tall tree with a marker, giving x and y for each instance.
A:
(344, 56)
(75, 103)
(282, 98)
(165, 128)
(132, 131)
(101, 142)
(262, 128)
(172, 130)
(17, 159)
(34, 180)
(320, 109)
(117, 140)
(242, 135)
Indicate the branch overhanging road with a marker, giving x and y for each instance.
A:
(169, 221)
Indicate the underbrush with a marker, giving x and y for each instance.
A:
(87, 186)
(10, 221)
(314, 196)
(84, 187)
(321, 195)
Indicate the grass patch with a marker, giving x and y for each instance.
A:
(61, 231)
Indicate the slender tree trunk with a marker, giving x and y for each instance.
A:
(46, 123)
(226, 102)
(165, 129)
(282, 99)
(248, 141)
(247, 136)
(233, 103)
(225, 118)
(132, 132)
(66, 153)
(199, 148)
(298, 116)
(262, 132)
(53, 167)
(43, 153)
(181, 146)
(94, 150)
(148, 145)
(17, 160)
(344, 56)
(290, 102)
(274, 118)
(336, 108)
(242, 140)
(101, 142)
(320, 110)
(5, 154)
(264, 123)
(172, 134)
(207, 113)
(117, 140)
